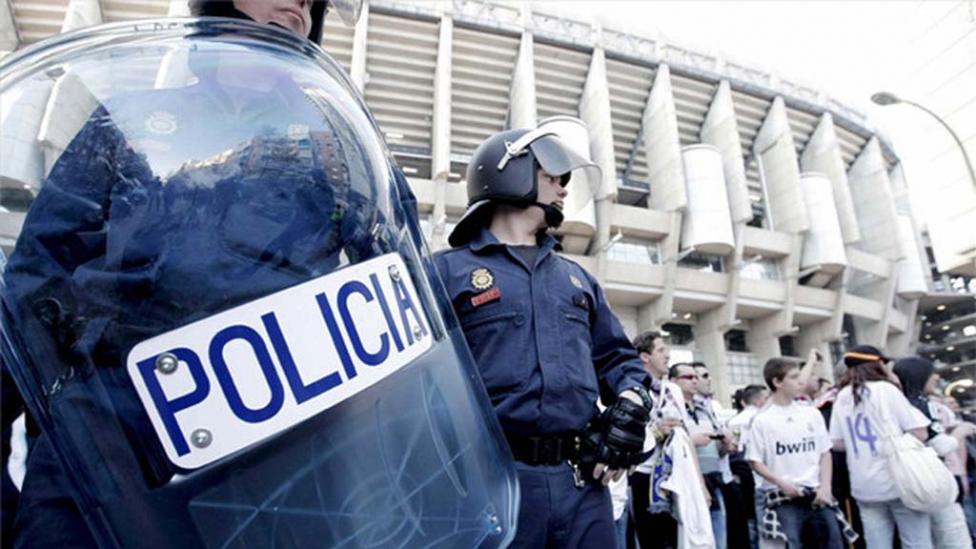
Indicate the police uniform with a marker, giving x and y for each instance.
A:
(545, 341)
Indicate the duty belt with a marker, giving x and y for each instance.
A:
(544, 450)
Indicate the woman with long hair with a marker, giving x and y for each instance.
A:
(918, 379)
(868, 396)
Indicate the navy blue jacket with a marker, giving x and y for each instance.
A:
(543, 336)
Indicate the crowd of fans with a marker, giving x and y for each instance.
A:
(797, 462)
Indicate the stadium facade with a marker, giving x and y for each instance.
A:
(746, 215)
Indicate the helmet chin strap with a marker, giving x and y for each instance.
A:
(554, 216)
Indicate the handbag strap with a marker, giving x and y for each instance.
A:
(879, 419)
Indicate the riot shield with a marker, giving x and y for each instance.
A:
(219, 307)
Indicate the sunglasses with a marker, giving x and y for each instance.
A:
(687, 376)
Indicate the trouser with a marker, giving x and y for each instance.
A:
(881, 517)
(555, 513)
(949, 529)
(47, 515)
(654, 530)
(736, 515)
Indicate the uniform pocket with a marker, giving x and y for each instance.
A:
(498, 340)
(577, 351)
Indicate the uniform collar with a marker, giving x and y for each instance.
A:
(486, 240)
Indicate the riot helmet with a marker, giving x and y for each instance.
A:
(503, 171)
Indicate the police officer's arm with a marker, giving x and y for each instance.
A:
(616, 361)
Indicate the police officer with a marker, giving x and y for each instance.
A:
(109, 255)
(545, 341)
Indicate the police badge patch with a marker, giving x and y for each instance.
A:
(482, 279)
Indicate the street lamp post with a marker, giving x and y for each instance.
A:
(886, 98)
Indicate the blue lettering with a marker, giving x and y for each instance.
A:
(168, 408)
(333, 326)
(386, 312)
(222, 372)
(371, 359)
(861, 429)
(405, 303)
(299, 389)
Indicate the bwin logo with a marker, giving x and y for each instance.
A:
(805, 445)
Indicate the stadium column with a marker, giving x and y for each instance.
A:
(9, 36)
(441, 130)
(357, 65)
(720, 130)
(780, 173)
(662, 147)
(522, 111)
(594, 110)
(80, 14)
(822, 154)
(709, 334)
(878, 220)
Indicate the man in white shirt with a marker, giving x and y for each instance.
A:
(653, 521)
(790, 450)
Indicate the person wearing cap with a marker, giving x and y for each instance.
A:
(93, 308)
(865, 389)
(545, 340)
(918, 381)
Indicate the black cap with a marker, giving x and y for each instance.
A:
(862, 354)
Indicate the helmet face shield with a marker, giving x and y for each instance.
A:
(556, 158)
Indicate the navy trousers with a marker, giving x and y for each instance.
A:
(554, 513)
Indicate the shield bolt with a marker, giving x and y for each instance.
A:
(201, 438)
(394, 273)
(166, 363)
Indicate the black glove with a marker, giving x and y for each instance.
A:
(616, 437)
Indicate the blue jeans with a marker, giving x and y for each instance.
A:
(620, 525)
(880, 518)
(718, 519)
(793, 516)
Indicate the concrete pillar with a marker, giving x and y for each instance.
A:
(721, 131)
(709, 334)
(21, 113)
(781, 171)
(522, 111)
(662, 146)
(763, 339)
(874, 203)
(9, 36)
(441, 131)
(822, 154)
(357, 65)
(595, 112)
(882, 292)
(659, 311)
(81, 13)
(817, 336)
(68, 109)
(905, 343)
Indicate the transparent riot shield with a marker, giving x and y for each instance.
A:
(218, 305)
